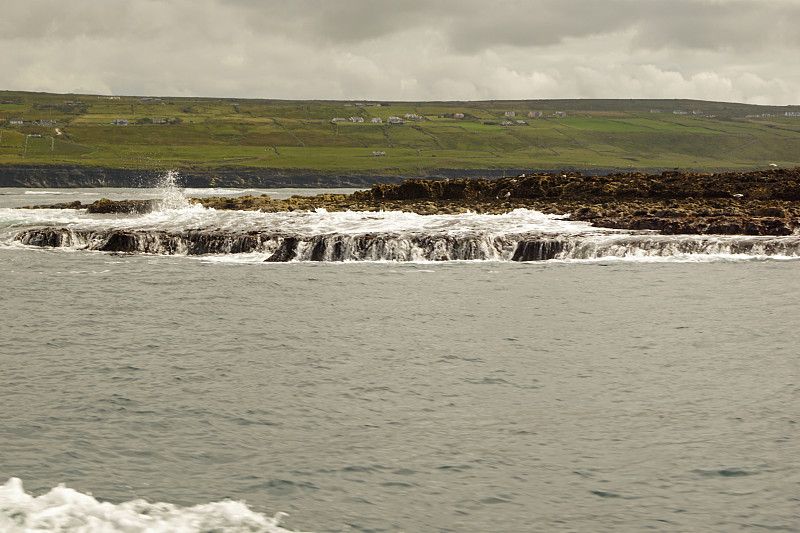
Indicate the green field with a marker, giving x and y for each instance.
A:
(216, 132)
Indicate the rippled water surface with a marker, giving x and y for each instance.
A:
(386, 397)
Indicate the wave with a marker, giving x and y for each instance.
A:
(411, 246)
(209, 191)
(69, 511)
(521, 235)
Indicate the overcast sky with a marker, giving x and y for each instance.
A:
(725, 50)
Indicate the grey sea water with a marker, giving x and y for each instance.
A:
(387, 397)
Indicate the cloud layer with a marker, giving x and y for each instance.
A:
(729, 50)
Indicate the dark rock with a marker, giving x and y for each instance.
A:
(104, 205)
(120, 242)
(286, 251)
(538, 250)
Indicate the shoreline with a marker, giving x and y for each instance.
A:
(763, 202)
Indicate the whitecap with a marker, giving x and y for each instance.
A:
(69, 511)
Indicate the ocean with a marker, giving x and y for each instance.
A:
(631, 382)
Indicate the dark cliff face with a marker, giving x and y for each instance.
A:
(36, 176)
(70, 176)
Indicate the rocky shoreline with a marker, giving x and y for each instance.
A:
(763, 202)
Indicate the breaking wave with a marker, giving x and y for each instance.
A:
(69, 511)
(181, 228)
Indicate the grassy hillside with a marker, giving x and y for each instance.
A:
(209, 133)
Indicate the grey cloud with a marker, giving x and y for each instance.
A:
(735, 25)
(405, 49)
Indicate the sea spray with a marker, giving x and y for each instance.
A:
(70, 511)
(172, 197)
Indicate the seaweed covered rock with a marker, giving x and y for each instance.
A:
(104, 205)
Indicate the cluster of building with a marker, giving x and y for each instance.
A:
(376, 120)
(22, 122)
(770, 115)
(126, 122)
(414, 116)
(536, 114)
(680, 112)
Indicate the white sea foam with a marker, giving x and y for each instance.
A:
(68, 511)
(208, 191)
(399, 235)
(320, 222)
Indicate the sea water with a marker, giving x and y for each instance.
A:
(146, 392)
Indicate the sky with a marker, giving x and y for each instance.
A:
(410, 50)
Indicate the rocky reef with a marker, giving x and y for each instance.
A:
(765, 202)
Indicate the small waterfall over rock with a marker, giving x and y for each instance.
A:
(278, 247)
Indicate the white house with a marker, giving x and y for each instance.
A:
(395, 120)
(510, 114)
(458, 115)
(337, 119)
(377, 120)
(121, 122)
(379, 153)
(356, 119)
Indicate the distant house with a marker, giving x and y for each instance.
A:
(16, 121)
(356, 119)
(697, 112)
(679, 112)
(377, 120)
(655, 111)
(458, 115)
(559, 114)
(379, 153)
(121, 122)
(507, 123)
(521, 123)
(510, 114)
(45, 123)
(412, 116)
(395, 120)
(158, 120)
(337, 119)
(792, 114)
(535, 114)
